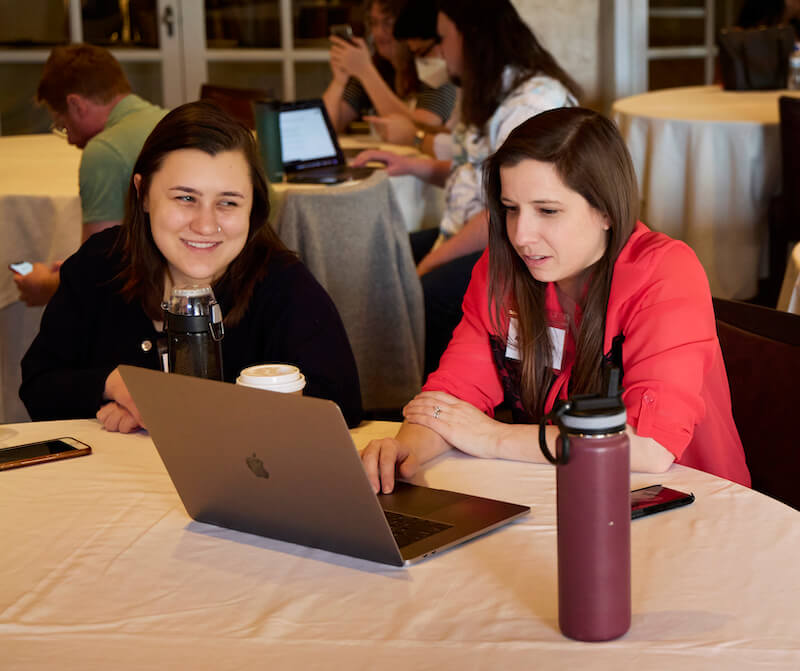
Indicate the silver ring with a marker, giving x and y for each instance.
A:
(436, 412)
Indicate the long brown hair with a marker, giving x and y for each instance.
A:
(196, 125)
(495, 37)
(591, 158)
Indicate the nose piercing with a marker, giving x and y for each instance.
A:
(219, 229)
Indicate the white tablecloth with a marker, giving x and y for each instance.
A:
(789, 299)
(708, 162)
(103, 569)
(40, 220)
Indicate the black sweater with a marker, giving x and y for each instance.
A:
(88, 329)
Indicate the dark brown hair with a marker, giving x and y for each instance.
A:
(402, 78)
(85, 69)
(198, 125)
(495, 37)
(591, 158)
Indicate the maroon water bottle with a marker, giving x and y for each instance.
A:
(594, 517)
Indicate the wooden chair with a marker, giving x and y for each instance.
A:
(235, 101)
(761, 348)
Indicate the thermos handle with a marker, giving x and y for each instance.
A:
(555, 415)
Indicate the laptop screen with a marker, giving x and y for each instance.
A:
(307, 139)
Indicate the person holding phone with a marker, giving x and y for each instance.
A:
(570, 280)
(386, 81)
(91, 103)
(416, 27)
(196, 214)
(504, 81)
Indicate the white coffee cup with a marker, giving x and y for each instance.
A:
(278, 377)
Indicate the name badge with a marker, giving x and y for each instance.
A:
(557, 335)
(512, 343)
(557, 338)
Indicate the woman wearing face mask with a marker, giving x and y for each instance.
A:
(416, 27)
(386, 82)
(196, 214)
(506, 77)
(569, 278)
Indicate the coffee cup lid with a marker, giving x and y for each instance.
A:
(269, 374)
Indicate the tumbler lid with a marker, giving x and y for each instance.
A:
(594, 418)
(599, 413)
(596, 414)
(190, 301)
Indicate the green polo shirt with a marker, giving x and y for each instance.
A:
(108, 158)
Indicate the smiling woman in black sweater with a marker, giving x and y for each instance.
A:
(196, 214)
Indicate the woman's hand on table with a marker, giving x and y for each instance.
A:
(459, 423)
(354, 59)
(394, 128)
(396, 164)
(382, 457)
(120, 413)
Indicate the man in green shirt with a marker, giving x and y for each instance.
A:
(90, 99)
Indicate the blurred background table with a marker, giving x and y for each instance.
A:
(40, 220)
(103, 568)
(371, 281)
(352, 238)
(708, 162)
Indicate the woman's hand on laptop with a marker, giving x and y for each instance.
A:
(386, 458)
(121, 413)
(382, 457)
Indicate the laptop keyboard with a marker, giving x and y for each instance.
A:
(408, 529)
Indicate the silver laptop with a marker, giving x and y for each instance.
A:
(309, 147)
(285, 467)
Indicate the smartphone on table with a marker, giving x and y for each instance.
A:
(656, 498)
(42, 451)
(343, 31)
(21, 267)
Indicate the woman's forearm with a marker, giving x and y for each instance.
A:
(425, 443)
(520, 442)
(385, 100)
(333, 100)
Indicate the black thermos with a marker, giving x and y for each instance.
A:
(193, 322)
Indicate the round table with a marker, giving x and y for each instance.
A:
(102, 567)
(707, 162)
(40, 220)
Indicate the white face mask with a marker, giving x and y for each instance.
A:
(432, 71)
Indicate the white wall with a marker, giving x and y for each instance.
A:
(570, 30)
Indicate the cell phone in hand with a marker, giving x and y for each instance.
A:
(21, 267)
(655, 499)
(343, 31)
(42, 451)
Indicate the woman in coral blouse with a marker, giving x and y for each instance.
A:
(568, 272)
